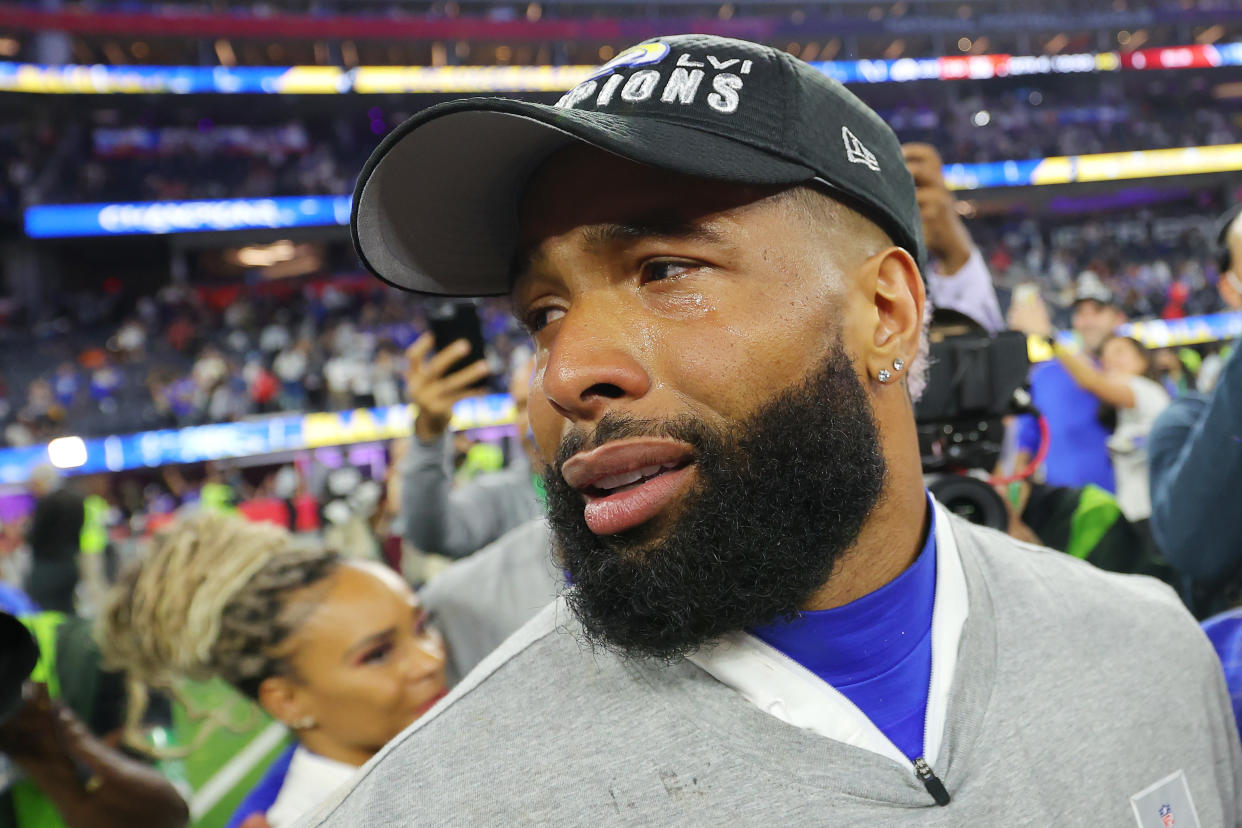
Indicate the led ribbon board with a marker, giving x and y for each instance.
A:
(163, 217)
(52, 79)
(1160, 333)
(252, 438)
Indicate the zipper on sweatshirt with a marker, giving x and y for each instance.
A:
(930, 781)
(921, 769)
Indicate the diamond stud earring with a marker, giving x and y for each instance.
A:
(884, 375)
(898, 364)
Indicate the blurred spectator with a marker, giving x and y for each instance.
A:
(1212, 365)
(437, 517)
(336, 650)
(59, 737)
(1086, 523)
(957, 277)
(290, 367)
(1174, 374)
(275, 336)
(131, 339)
(180, 333)
(54, 536)
(106, 380)
(1078, 454)
(41, 406)
(1196, 468)
(261, 385)
(66, 384)
(338, 379)
(386, 377)
(1130, 401)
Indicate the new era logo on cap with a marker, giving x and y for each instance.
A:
(856, 152)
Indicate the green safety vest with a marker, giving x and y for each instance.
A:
(480, 459)
(217, 497)
(30, 807)
(68, 651)
(94, 525)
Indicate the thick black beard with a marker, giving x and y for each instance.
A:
(779, 499)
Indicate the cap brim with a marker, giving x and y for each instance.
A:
(435, 209)
(1106, 301)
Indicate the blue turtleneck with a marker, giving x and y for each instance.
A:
(875, 650)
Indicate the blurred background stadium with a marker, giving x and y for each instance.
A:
(180, 305)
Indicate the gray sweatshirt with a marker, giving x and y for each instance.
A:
(457, 522)
(1075, 691)
(478, 602)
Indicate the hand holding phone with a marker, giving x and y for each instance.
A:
(445, 366)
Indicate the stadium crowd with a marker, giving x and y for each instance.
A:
(230, 151)
(188, 357)
(353, 605)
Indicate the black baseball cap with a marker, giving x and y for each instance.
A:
(435, 208)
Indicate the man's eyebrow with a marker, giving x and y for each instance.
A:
(605, 235)
(602, 235)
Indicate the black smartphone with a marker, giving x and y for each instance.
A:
(451, 321)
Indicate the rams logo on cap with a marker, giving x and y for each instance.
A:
(644, 54)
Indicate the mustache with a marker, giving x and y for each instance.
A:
(615, 426)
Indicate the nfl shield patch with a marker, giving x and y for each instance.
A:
(1166, 804)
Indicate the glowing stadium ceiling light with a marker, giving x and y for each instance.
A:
(67, 452)
(266, 255)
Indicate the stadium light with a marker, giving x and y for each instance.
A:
(67, 452)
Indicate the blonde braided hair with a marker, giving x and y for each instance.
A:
(210, 598)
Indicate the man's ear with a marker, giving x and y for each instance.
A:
(283, 699)
(899, 296)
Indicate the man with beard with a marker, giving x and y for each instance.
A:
(716, 251)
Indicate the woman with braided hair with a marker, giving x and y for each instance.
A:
(335, 649)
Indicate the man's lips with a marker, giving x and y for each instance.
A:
(627, 482)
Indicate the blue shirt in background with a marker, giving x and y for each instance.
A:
(16, 602)
(876, 650)
(1225, 633)
(1078, 453)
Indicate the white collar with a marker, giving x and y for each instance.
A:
(780, 686)
(311, 779)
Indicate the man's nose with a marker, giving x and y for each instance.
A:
(594, 361)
